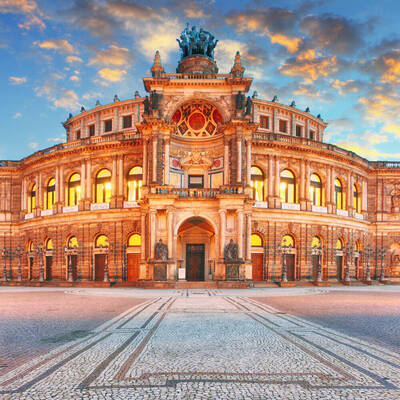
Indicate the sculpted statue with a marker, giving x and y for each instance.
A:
(395, 198)
(240, 101)
(161, 251)
(249, 105)
(231, 251)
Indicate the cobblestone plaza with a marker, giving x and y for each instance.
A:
(301, 343)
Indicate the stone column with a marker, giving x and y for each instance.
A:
(270, 180)
(170, 231)
(349, 194)
(248, 154)
(332, 189)
(275, 121)
(153, 234)
(240, 233)
(307, 129)
(98, 124)
(277, 182)
(154, 180)
(226, 162)
(222, 219)
(144, 166)
(83, 180)
(328, 186)
(61, 191)
(248, 242)
(143, 234)
(364, 196)
(83, 133)
(116, 120)
(39, 198)
(114, 178)
(23, 194)
(121, 176)
(293, 125)
(89, 189)
(166, 162)
(239, 160)
(302, 182)
(307, 185)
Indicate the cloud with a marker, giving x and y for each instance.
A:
(61, 45)
(366, 150)
(112, 75)
(74, 78)
(392, 128)
(59, 97)
(341, 124)
(56, 139)
(114, 55)
(388, 66)
(381, 107)
(291, 44)
(15, 80)
(73, 59)
(29, 8)
(307, 90)
(130, 11)
(346, 87)
(33, 145)
(337, 33)
(17, 115)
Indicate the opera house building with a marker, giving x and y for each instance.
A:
(201, 180)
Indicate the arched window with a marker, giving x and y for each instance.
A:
(257, 183)
(72, 242)
(32, 199)
(316, 190)
(74, 190)
(339, 195)
(50, 193)
(134, 240)
(287, 187)
(101, 241)
(30, 247)
(256, 240)
(339, 244)
(49, 245)
(316, 242)
(103, 186)
(287, 240)
(356, 199)
(135, 177)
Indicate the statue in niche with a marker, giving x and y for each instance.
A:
(161, 251)
(395, 199)
(231, 251)
(240, 101)
(249, 106)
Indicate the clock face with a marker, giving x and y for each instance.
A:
(196, 120)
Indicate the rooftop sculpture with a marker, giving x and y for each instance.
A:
(197, 43)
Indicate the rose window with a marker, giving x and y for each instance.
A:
(196, 120)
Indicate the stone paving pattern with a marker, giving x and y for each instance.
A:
(203, 344)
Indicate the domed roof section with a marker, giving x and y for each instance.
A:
(197, 52)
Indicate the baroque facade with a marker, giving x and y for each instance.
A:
(199, 182)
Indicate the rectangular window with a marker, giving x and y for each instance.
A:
(127, 121)
(196, 181)
(216, 180)
(78, 134)
(312, 135)
(91, 130)
(283, 126)
(108, 125)
(299, 130)
(264, 122)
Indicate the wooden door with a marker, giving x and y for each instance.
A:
(30, 266)
(290, 269)
(314, 266)
(74, 263)
(257, 259)
(99, 263)
(195, 262)
(132, 273)
(49, 263)
(339, 267)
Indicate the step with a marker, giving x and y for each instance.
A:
(196, 285)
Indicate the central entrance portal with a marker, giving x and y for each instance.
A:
(195, 262)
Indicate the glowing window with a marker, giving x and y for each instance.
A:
(49, 244)
(339, 195)
(356, 200)
(316, 242)
(256, 240)
(135, 240)
(339, 245)
(103, 186)
(32, 199)
(287, 240)
(287, 187)
(74, 190)
(257, 183)
(316, 190)
(50, 194)
(30, 247)
(72, 242)
(135, 182)
(101, 241)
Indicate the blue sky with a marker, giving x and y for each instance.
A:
(340, 58)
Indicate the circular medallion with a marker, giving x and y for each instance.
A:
(197, 121)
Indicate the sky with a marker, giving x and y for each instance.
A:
(341, 58)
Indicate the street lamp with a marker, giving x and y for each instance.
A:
(68, 252)
(368, 254)
(106, 271)
(284, 249)
(39, 251)
(349, 255)
(19, 252)
(382, 255)
(317, 251)
(4, 254)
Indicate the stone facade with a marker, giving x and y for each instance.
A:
(195, 139)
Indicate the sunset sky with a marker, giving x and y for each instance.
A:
(340, 58)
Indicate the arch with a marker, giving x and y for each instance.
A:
(135, 181)
(339, 194)
(101, 241)
(134, 239)
(256, 240)
(356, 199)
(288, 240)
(103, 186)
(339, 244)
(74, 189)
(49, 244)
(287, 186)
(358, 246)
(316, 189)
(208, 219)
(32, 198)
(316, 242)
(72, 242)
(29, 247)
(257, 183)
(50, 193)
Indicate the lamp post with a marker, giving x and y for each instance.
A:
(368, 254)
(284, 249)
(68, 252)
(4, 254)
(349, 255)
(39, 251)
(317, 251)
(106, 271)
(382, 255)
(19, 252)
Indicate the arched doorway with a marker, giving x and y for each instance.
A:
(196, 248)
(339, 259)
(289, 254)
(100, 257)
(49, 259)
(257, 257)
(133, 257)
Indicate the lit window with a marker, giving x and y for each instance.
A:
(339, 195)
(256, 240)
(127, 121)
(257, 183)
(30, 247)
(135, 177)
(50, 194)
(49, 245)
(356, 200)
(108, 125)
(135, 240)
(339, 245)
(316, 242)
(287, 187)
(283, 126)
(101, 241)
(316, 190)
(287, 240)
(32, 199)
(74, 190)
(103, 186)
(72, 242)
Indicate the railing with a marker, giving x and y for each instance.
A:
(196, 76)
(385, 164)
(205, 193)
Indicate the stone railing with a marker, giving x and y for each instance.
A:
(385, 164)
(197, 193)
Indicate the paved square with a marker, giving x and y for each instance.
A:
(204, 344)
